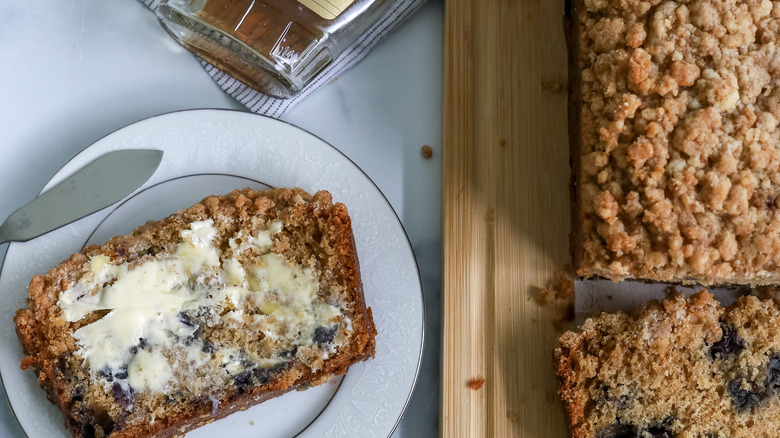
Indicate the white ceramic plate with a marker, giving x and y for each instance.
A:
(213, 152)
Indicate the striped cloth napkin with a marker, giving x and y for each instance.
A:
(270, 106)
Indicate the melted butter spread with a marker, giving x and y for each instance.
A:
(149, 330)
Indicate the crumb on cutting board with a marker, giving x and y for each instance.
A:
(558, 295)
(561, 288)
(477, 383)
(427, 151)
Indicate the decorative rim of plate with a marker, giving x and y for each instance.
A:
(58, 176)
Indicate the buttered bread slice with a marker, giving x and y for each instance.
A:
(223, 305)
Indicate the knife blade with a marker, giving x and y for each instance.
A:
(92, 188)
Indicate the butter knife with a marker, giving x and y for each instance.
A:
(92, 188)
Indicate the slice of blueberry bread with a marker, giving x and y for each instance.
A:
(685, 367)
(225, 304)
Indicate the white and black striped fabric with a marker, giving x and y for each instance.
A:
(262, 104)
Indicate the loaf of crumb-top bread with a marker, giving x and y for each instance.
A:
(679, 368)
(674, 126)
(218, 307)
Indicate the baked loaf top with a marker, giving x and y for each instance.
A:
(675, 140)
(680, 368)
(216, 308)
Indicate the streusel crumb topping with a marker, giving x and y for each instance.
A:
(679, 139)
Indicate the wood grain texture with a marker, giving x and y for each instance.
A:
(506, 214)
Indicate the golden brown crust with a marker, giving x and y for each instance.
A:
(571, 30)
(684, 367)
(316, 232)
(674, 122)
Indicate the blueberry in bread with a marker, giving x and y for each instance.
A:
(674, 125)
(216, 308)
(685, 367)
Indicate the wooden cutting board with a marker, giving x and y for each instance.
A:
(506, 214)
